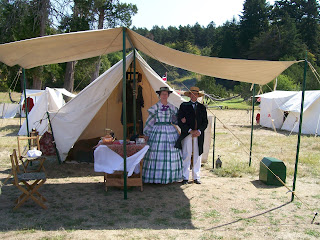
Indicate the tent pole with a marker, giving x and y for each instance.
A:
(25, 101)
(214, 140)
(300, 126)
(134, 94)
(252, 119)
(124, 114)
(54, 142)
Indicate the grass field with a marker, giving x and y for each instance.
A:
(238, 104)
(230, 204)
(4, 97)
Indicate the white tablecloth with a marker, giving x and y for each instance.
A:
(106, 160)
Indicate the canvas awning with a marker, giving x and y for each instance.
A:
(81, 45)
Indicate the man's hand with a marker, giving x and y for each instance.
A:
(183, 120)
(195, 133)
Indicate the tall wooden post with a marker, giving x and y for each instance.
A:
(214, 140)
(25, 100)
(300, 126)
(252, 120)
(124, 114)
(134, 94)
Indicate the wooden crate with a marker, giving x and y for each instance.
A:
(116, 179)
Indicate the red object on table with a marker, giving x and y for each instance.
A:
(131, 148)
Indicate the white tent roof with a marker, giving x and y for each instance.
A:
(65, 92)
(294, 104)
(277, 94)
(80, 45)
(72, 119)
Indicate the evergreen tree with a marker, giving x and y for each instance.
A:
(230, 43)
(253, 22)
(281, 41)
(310, 30)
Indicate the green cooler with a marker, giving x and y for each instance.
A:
(276, 166)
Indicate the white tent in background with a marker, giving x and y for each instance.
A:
(99, 106)
(271, 116)
(311, 113)
(9, 110)
(44, 101)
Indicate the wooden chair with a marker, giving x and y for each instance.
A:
(28, 183)
(34, 142)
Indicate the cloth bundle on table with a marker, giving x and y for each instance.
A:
(163, 162)
(108, 161)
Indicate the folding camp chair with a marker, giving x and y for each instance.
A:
(25, 160)
(31, 182)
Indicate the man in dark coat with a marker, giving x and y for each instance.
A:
(192, 119)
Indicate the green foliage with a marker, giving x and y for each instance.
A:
(209, 85)
(230, 45)
(283, 31)
(244, 90)
(185, 46)
(284, 82)
(253, 21)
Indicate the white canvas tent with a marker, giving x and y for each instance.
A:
(274, 105)
(311, 113)
(271, 116)
(9, 110)
(44, 101)
(99, 106)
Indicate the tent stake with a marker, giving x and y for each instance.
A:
(300, 126)
(54, 142)
(124, 118)
(214, 140)
(252, 119)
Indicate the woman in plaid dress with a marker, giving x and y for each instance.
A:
(163, 162)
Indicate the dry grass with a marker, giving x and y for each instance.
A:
(236, 206)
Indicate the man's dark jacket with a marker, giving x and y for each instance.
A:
(200, 116)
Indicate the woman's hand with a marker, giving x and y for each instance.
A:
(183, 120)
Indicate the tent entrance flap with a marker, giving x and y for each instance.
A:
(99, 106)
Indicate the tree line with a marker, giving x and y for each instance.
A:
(285, 30)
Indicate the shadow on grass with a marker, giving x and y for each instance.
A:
(14, 129)
(259, 184)
(73, 206)
(64, 170)
(248, 218)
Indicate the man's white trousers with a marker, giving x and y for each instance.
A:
(187, 143)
